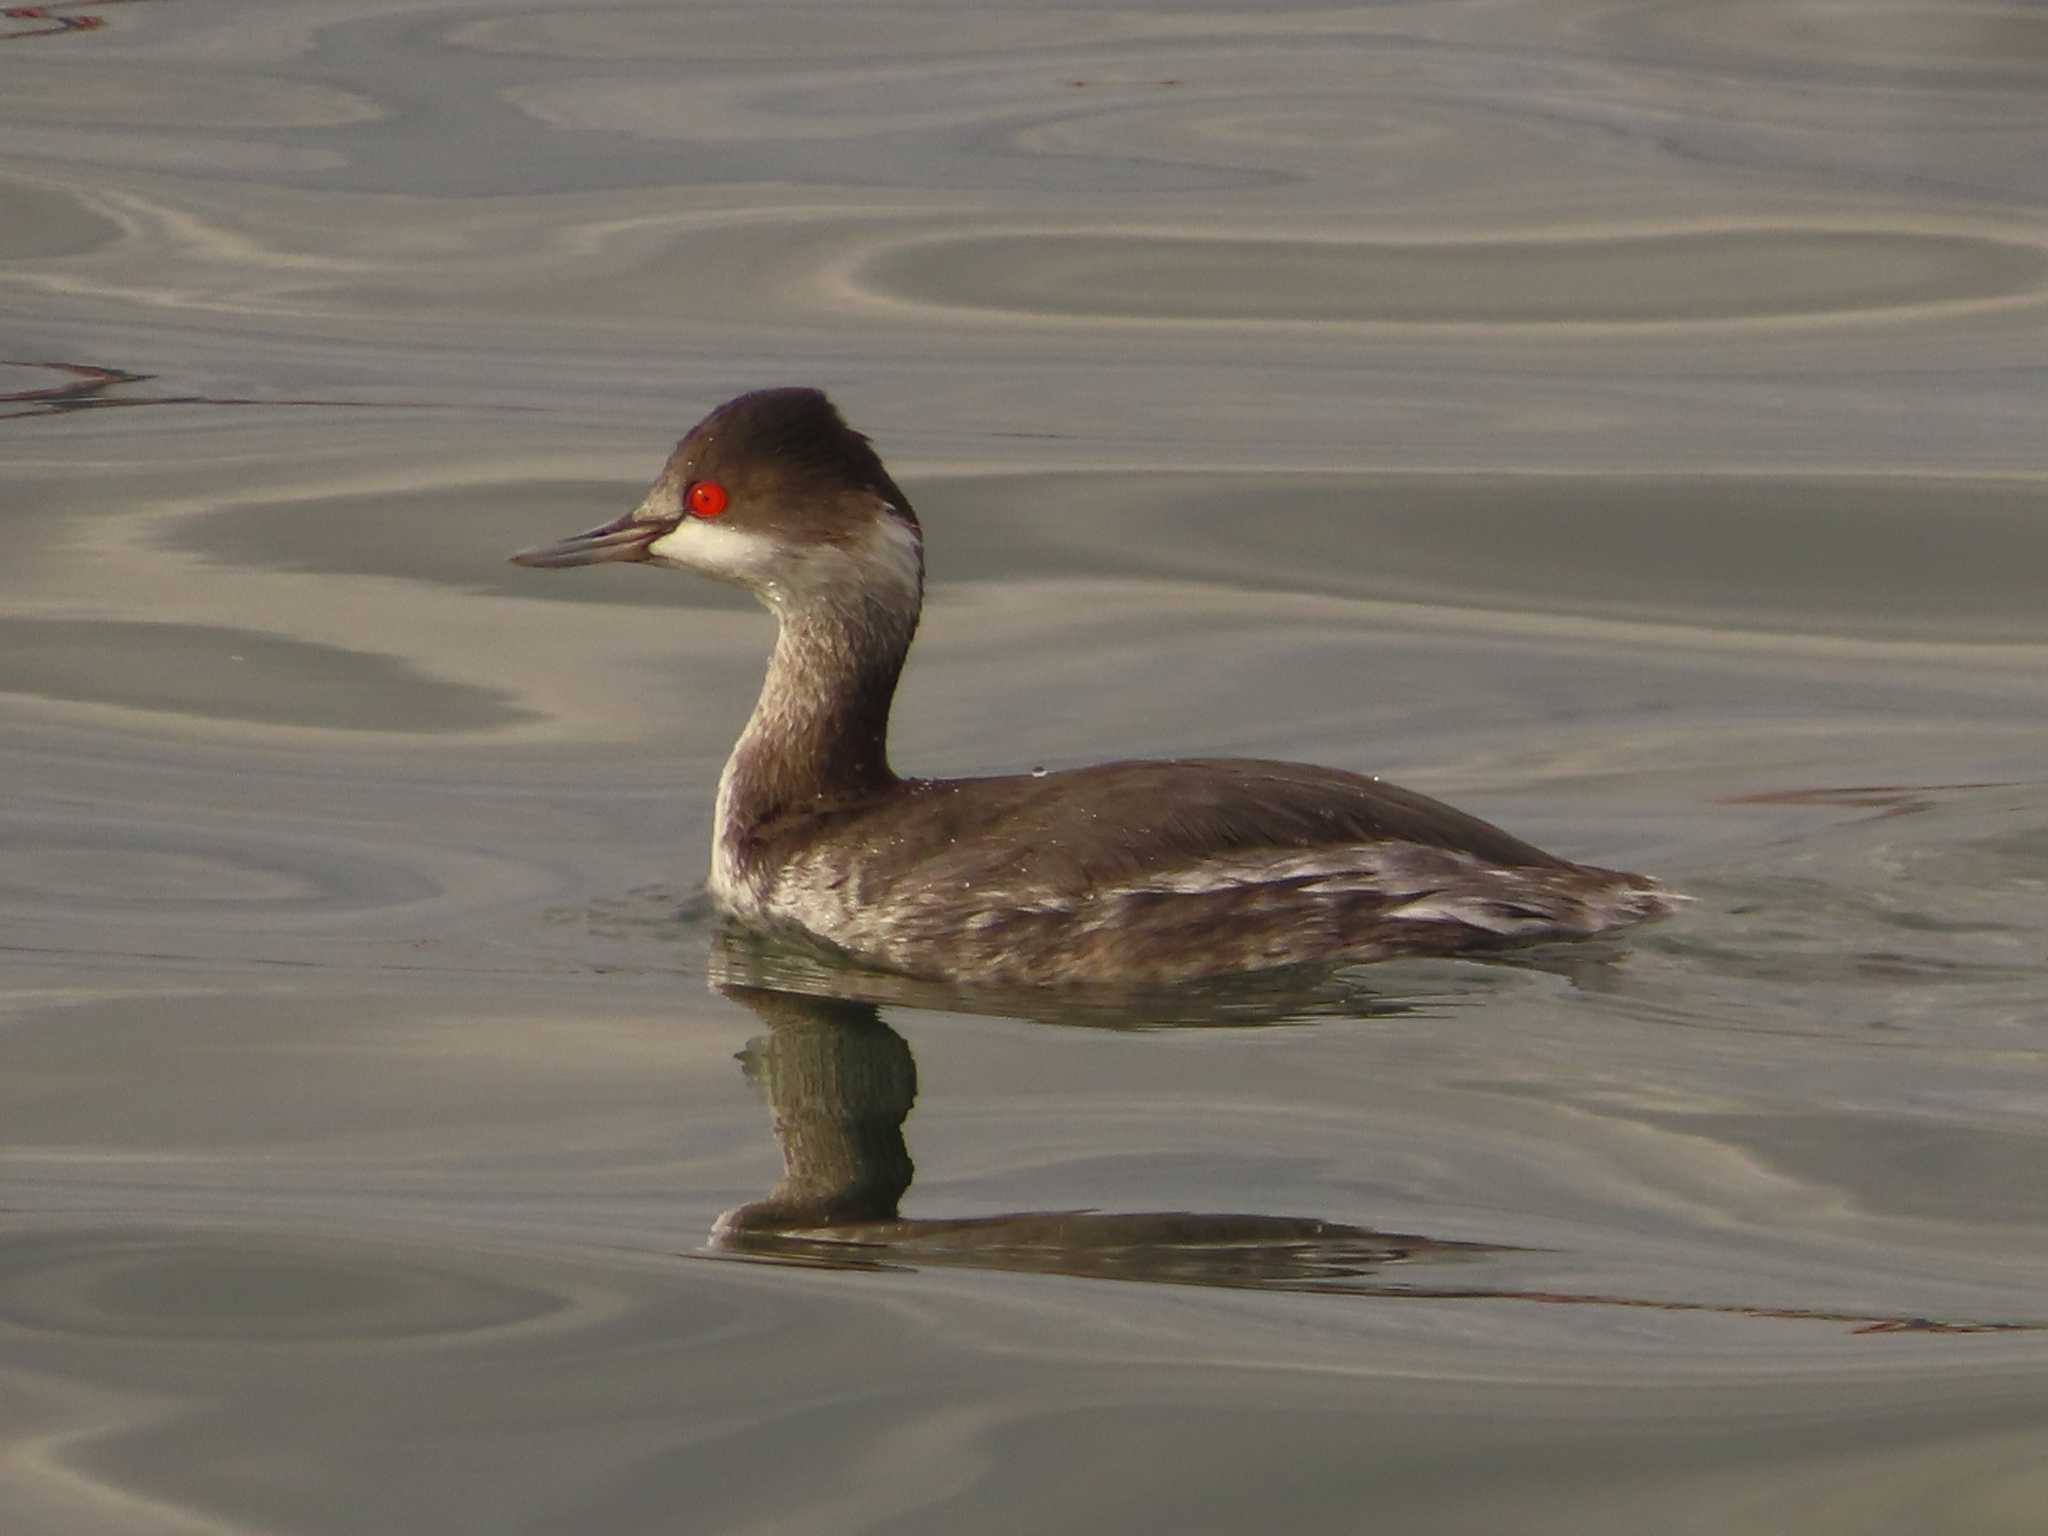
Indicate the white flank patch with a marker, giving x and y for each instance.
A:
(1428, 885)
(1478, 911)
(1393, 869)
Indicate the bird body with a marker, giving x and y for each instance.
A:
(1124, 872)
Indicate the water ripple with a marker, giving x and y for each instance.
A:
(200, 1288)
(1701, 275)
(219, 673)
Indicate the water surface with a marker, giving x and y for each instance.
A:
(1622, 421)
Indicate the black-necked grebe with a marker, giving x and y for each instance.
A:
(1126, 872)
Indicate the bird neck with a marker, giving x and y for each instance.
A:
(820, 730)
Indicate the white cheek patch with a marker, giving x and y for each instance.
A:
(884, 561)
(718, 550)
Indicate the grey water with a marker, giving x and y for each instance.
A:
(1624, 422)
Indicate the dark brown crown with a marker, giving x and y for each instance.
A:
(791, 444)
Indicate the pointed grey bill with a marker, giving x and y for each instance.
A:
(626, 539)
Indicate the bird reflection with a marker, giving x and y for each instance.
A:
(840, 1084)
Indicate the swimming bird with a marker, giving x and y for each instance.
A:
(1138, 872)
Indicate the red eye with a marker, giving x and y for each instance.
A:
(707, 498)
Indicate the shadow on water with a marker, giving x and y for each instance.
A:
(840, 1085)
(90, 387)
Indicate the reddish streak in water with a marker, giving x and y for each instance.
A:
(54, 18)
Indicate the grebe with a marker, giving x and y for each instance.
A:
(1123, 873)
